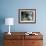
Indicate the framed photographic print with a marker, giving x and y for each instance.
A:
(27, 15)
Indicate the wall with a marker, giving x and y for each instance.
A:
(9, 8)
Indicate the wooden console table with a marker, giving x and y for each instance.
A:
(20, 39)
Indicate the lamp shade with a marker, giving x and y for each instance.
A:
(9, 21)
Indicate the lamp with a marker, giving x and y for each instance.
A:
(9, 21)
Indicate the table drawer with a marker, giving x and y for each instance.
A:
(9, 42)
(34, 37)
(16, 37)
(33, 43)
(13, 43)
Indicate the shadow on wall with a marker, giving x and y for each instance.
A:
(2, 21)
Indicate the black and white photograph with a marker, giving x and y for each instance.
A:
(27, 15)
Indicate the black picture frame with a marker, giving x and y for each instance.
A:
(27, 16)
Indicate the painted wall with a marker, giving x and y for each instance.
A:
(9, 8)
